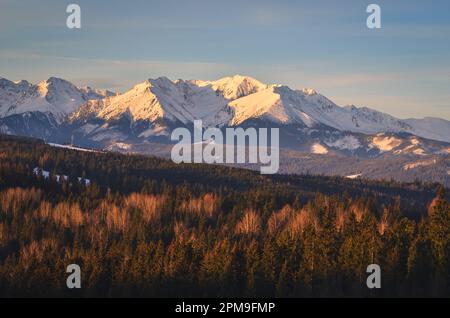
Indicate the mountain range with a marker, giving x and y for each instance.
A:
(141, 120)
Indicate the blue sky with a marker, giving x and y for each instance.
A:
(402, 69)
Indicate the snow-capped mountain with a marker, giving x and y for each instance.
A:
(56, 97)
(316, 135)
(152, 108)
(282, 105)
(175, 101)
(235, 100)
(40, 110)
(179, 101)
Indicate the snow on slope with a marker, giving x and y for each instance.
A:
(54, 96)
(385, 143)
(422, 163)
(370, 121)
(284, 105)
(431, 128)
(234, 87)
(46, 174)
(163, 99)
(266, 103)
(71, 147)
(345, 143)
(354, 176)
(319, 149)
(227, 101)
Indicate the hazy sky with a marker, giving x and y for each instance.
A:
(403, 68)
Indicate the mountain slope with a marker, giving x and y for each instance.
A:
(316, 135)
(154, 107)
(233, 87)
(56, 97)
(227, 101)
(161, 98)
(432, 128)
(282, 105)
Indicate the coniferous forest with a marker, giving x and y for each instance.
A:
(146, 227)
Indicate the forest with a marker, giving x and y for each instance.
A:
(146, 227)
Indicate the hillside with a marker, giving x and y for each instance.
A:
(143, 226)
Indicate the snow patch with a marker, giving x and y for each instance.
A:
(87, 128)
(415, 141)
(384, 143)
(445, 151)
(120, 145)
(109, 135)
(319, 149)
(71, 147)
(347, 142)
(46, 175)
(419, 151)
(354, 176)
(155, 131)
(422, 163)
(4, 129)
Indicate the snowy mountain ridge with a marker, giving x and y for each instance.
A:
(54, 96)
(229, 101)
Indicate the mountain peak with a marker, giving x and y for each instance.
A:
(309, 91)
(239, 79)
(143, 85)
(54, 83)
(5, 82)
(23, 83)
(57, 80)
(234, 87)
(161, 81)
(165, 83)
